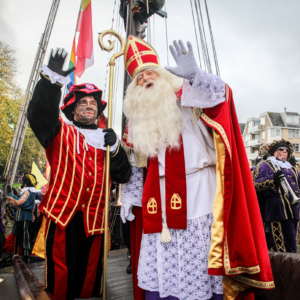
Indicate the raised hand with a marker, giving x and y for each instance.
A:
(186, 63)
(56, 62)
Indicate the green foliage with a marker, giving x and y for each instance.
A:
(11, 98)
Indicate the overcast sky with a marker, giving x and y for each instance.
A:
(257, 45)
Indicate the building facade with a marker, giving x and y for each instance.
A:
(268, 127)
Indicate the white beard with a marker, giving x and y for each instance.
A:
(154, 114)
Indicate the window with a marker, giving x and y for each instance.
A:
(297, 147)
(250, 125)
(278, 132)
(271, 132)
(248, 150)
(263, 134)
(292, 119)
(256, 136)
(262, 121)
(290, 134)
(296, 133)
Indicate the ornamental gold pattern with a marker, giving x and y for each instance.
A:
(176, 202)
(152, 206)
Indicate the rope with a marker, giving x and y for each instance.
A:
(195, 34)
(204, 37)
(167, 35)
(212, 41)
(201, 39)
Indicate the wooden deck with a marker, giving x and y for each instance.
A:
(119, 282)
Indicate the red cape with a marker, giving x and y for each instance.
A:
(238, 248)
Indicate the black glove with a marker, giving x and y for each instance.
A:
(110, 137)
(8, 189)
(278, 175)
(56, 63)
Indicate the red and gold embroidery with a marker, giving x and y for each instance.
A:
(219, 128)
(176, 202)
(238, 270)
(152, 206)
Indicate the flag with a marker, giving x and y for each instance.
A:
(84, 52)
(41, 181)
(72, 64)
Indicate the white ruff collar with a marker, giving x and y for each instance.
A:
(31, 189)
(94, 138)
(281, 164)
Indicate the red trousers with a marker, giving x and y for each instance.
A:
(73, 266)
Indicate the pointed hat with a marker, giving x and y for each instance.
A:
(139, 55)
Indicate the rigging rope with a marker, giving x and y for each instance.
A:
(212, 41)
(195, 35)
(204, 37)
(167, 34)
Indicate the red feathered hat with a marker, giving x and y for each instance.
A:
(78, 91)
(139, 55)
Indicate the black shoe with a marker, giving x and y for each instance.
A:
(128, 255)
(129, 270)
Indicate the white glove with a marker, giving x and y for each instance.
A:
(186, 63)
(126, 212)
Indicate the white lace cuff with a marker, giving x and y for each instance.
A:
(207, 91)
(54, 77)
(132, 191)
(115, 146)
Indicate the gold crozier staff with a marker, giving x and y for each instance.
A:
(110, 99)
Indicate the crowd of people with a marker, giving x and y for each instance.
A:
(191, 216)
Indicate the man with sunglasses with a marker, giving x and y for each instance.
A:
(280, 214)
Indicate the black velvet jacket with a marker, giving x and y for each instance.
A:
(43, 117)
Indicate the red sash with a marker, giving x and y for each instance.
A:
(175, 182)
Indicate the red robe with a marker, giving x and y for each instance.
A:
(238, 247)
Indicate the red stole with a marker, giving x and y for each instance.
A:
(175, 191)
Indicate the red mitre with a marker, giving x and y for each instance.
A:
(139, 55)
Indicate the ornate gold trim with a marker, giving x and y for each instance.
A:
(59, 163)
(117, 151)
(46, 77)
(227, 92)
(65, 172)
(73, 174)
(255, 283)
(237, 270)
(92, 194)
(218, 127)
(99, 201)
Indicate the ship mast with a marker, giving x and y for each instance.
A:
(20, 131)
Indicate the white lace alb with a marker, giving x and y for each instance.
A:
(54, 77)
(132, 191)
(94, 138)
(179, 268)
(207, 91)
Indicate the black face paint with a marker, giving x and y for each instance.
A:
(85, 112)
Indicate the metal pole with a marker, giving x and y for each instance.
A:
(21, 126)
(109, 117)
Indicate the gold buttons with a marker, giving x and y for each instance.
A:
(90, 158)
(90, 173)
(83, 205)
(87, 189)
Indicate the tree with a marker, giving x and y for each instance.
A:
(11, 97)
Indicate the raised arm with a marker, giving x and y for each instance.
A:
(43, 108)
(202, 90)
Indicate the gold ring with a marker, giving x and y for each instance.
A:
(186, 52)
